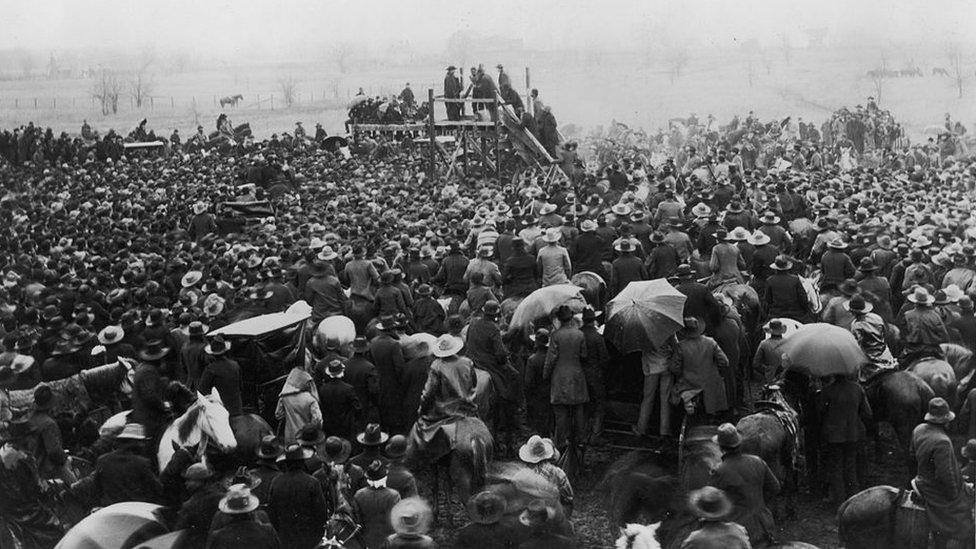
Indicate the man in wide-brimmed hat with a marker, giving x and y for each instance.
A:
(785, 295)
(338, 400)
(411, 518)
(48, 451)
(553, 260)
(224, 374)
(626, 268)
(712, 506)
(750, 478)
(296, 505)
(125, 474)
(835, 265)
(778, 235)
(324, 292)
(699, 361)
(148, 387)
(485, 531)
(924, 329)
(939, 481)
(844, 414)
(242, 525)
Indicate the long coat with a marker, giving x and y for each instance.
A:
(940, 482)
(843, 410)
(748, 481)
(388, 358)
(224, 374)
(244, 531)
(297, 509)
(486, 350)
(699, 362)
(371, 509)
(564, 366)
(340, 406)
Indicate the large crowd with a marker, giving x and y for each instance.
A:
(109, 257)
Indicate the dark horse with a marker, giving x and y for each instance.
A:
(900, 399)
(463, 466)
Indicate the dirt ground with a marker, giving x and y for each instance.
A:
(815, 522)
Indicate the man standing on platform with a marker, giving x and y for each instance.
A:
(452, 90)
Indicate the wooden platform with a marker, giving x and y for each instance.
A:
(420, 126)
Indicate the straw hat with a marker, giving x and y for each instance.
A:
(486, 508)
(111, 334)
(411, 516)
(921, 296)
(238, 500)
(191, 278)
(535, 450)
(758, 238)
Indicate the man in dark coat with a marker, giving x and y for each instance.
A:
(700, 302)
(748, 481)
(452, 90)
(948, 501)
(338, 401)
(586, 252)
(844, 411)
(361, 374)
(371, 506)
(662, 260)
(835, 265)
(597, 359)
(785, 296)
(428, 315)
(519, 272)
(45, 435)
(963, 329)
(486, 350)
(148, 386)
(197, 512)
(296, 505)
(125, 474)
(388, 357)
(625, 269)
(242, 528)
(202, 223)
(324, 293)
(485, 531)
(223, 374)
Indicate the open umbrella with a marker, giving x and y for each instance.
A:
(542, 301)
(121, 525)
(172, 540)
(644, 315)
(791, 327)
(823, 349)
(338, 327)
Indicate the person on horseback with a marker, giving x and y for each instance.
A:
(869, 330)
(712, 506)
(21, 511)
(448, 397)
(948, 499)
(924, 329)
(749, 482)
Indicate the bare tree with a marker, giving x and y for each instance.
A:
(289, 90)
(106, 89)
(956, 69)
(141, 87)
(677, 60)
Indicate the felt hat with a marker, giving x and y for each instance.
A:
(782, 263)
(837, 244)
(486, 508)
(154, 350)
(921, 296)
(336, 450)
(866, 265)
(939, 412)
(197, 328)
(447, 345)
(296, 452)
(270, 447)
(191, 278)
(734, 207)
(728, 436)
(710, 503)
(372, 436)
(310, 436)
(376, 470)
(336, 369)
(238, 500)
(858, 305)
(396, 448)
(624, 245)
(411, 516)
(769, 218)
(217, 346)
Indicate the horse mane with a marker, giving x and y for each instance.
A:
(188, 421)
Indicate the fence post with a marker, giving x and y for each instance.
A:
(152, 103)
(35, 103)
(54, 102)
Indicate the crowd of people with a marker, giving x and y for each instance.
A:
(106, 257)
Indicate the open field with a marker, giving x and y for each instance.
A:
(587, 90)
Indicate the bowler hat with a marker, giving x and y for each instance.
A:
(710, 503)
(939, 412)
(728, 436)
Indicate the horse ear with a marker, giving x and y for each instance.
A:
(215, 396)
(200, 396)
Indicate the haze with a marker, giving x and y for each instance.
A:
(289, 28)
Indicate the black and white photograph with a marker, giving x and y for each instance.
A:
(488, 274)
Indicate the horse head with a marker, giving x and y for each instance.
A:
(207, 416)
(127, 384)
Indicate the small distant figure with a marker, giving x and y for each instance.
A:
(452, 90)
(299, 132)
(407, 96)
(320, 133)
(503, 79)
(174, 138)
(360, 92)
(86, 130)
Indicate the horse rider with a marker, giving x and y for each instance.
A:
(21, 505)
(749, 482)
(948, 498)
(447, 398)
(712, 506)
(924, 331)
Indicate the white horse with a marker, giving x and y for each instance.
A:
(638, 536)
(206, 420)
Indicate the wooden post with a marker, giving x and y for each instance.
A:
(432, 134)
(35, 102)
(529, 107)
(464, 150)
(498, 141)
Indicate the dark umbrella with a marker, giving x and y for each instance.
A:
(644, 315)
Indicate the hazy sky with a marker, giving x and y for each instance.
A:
(227, 27)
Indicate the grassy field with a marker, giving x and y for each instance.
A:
(583, 89)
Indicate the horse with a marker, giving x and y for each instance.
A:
(465, 463)
(638, 536)
(867, 520)
(773, 433)
(231, 100)
(900, 399)
(959, 357)
(940, 376)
